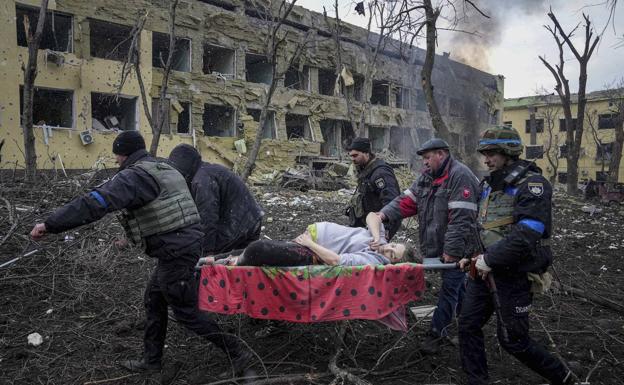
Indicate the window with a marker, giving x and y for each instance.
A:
(421, 103)
(297, 127)
(604, 152)
(602, 176)
(380, 93)
(358, 87)
(377, 136)
(326, 81)
(220, 60)
(297, 79)
(219, 120)
(51, 107)
(562, 124)
(184, 119)
(109, 40)
(563, 151)
(258, 69)
(331, 130)
(562, 177)
(114, 112)
(508, 123)
(606, 121)
(268, 131)
(535, 152)
(181, 118)
(539, 125)
(57, 29)
(400, 141)
(181, 60)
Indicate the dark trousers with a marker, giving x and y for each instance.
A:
(449, 301)
(477, 308)
(173, 284)
(276, 253)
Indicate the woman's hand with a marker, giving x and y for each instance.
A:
(304, 239)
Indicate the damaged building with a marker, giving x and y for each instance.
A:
(219, 79)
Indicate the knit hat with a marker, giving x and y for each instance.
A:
(360, 144)
(186, 159)
(128, 142)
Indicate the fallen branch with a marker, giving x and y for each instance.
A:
(341, 373)
(615, 306)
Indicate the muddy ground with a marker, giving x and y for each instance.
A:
(84, 298)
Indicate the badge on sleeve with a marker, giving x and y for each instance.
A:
(466, 193)
(380, 182)
(536, 189)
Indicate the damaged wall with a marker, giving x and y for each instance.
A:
(228, 28)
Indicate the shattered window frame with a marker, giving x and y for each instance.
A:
(119, 100)
(228, 132)
(270, 120)
(326, 81)
(206, 68)
(259, 60)
(49, 40)
(377, 136)
(119, 49)
(160, 54)
(380, 93)
(334, 128)
(186, 116)
(303, 78)
(47, 108)
(307, 128)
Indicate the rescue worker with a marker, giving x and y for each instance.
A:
(158, 212)
(230, 216)
(376, 187)
(444, 197)
(515, 229)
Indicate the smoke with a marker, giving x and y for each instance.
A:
(476, 35)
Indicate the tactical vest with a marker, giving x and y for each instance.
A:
(173, 209)
(362, 202)
(496, 211)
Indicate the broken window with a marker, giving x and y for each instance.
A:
(539, 125)
(380, 92)
(258, 69)
(326, 81)
(114, 112)
(562, 124)
(346, 135)
(606, 121)
(562, 177)
(297, 79)
(51, 107)
(269, 129)
(420, 101)
(57, 29)
(297, 126)
(604, 151)
(401, 97)
(181, 60)
(358, 87)
(219, 60)
(400, 141)
(184, 119)
(563, 151)
(165, 128)
(219, 120)
(377, 136)
(109, 40)
(332, 133)
(535, 152)
(456, 108)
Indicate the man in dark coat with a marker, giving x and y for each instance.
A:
(444, 198)
(515, 228)
(158, 212)
(377, 186)
(230, 216)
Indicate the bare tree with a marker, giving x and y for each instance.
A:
(133, 63)
(30, 73)
(274, 42)
(573, 137)
(616, 101)
(550, 112)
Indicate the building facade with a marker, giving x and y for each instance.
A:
(540, 121)
(219, 80)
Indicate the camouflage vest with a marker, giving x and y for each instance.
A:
(496, 211)
(173, 209)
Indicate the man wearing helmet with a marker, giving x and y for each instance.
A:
(444, 198)
(515, 228)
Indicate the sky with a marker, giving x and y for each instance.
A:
(510, 42)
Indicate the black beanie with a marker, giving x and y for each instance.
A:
(128, 142)
(186, 159)
(360, 144)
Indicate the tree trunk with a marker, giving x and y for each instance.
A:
(437, 122)
(616, 150)
(30, 73)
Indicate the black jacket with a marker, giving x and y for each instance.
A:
(130, 188)
(522, 250)
(227, 208)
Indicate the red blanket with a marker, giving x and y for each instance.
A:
(312, 293)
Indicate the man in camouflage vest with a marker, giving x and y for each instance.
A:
(158, 213)
(515, 229)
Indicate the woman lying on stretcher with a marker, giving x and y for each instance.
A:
(323, 243)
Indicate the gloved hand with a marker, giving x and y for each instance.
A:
(482, 267)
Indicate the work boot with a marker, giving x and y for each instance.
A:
(141, 365)
(431, 343)
(239, 364)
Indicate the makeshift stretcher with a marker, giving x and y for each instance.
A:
(316, 293)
